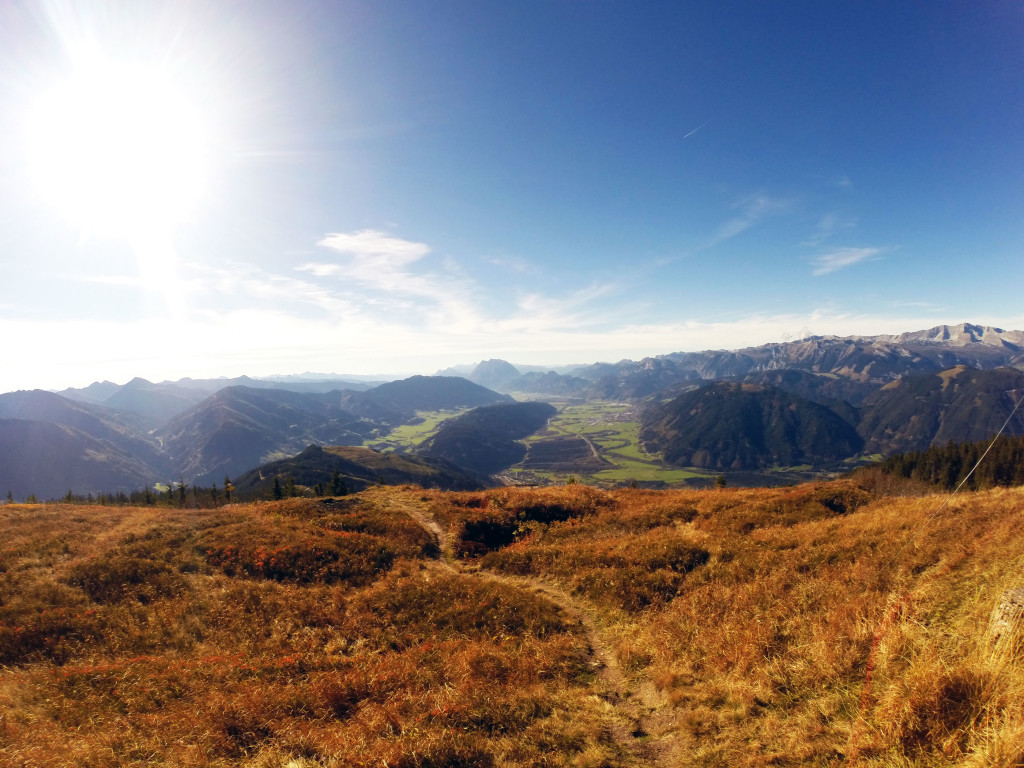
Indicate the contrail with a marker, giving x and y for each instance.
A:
(694, 131)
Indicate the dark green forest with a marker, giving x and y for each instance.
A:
(946, 466)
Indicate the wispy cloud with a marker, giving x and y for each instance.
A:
(376, 247)
(257, 340)
(750, 212)
(828, 226)
(373, 268)
(513, 264)
(841, 258)
(376, 303)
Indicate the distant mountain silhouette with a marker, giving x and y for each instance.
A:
(494, 374)
(870, 361)
(549, 383)
(158, 403)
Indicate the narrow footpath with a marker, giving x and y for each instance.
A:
(634, 718)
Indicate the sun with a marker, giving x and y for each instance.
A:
(119, 149)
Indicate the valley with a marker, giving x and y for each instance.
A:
(771, 415)
(596, 443)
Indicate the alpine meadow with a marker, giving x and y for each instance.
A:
(445, 384)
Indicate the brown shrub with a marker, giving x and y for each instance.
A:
(116, 576)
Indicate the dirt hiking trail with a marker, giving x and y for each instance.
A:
(638, 720)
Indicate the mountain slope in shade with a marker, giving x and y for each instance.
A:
(157, 403)
(48, 460)
(830, 390)
(240, 428)
(124, 431)
(359, 468)
(729, 426)
(959, 405)
(432, 393)
(485, 440)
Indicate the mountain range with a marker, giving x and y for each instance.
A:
(49, 443)
(813, 401)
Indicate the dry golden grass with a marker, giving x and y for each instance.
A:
(818, 625)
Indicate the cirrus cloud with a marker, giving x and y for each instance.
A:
(841, 258)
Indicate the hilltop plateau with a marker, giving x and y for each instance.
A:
(825, 624)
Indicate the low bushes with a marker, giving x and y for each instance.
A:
(351, 558)
(116, 576)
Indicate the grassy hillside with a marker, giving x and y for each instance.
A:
(816, 625)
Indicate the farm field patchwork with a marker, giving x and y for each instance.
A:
(594, 443)
(408, 436)
(610, 433)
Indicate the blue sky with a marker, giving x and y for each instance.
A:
(396, 187)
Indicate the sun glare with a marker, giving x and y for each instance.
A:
(119, 150)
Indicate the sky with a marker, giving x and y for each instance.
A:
(398, 186)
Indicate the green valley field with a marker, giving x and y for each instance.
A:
(825, 624)
(596, 443)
